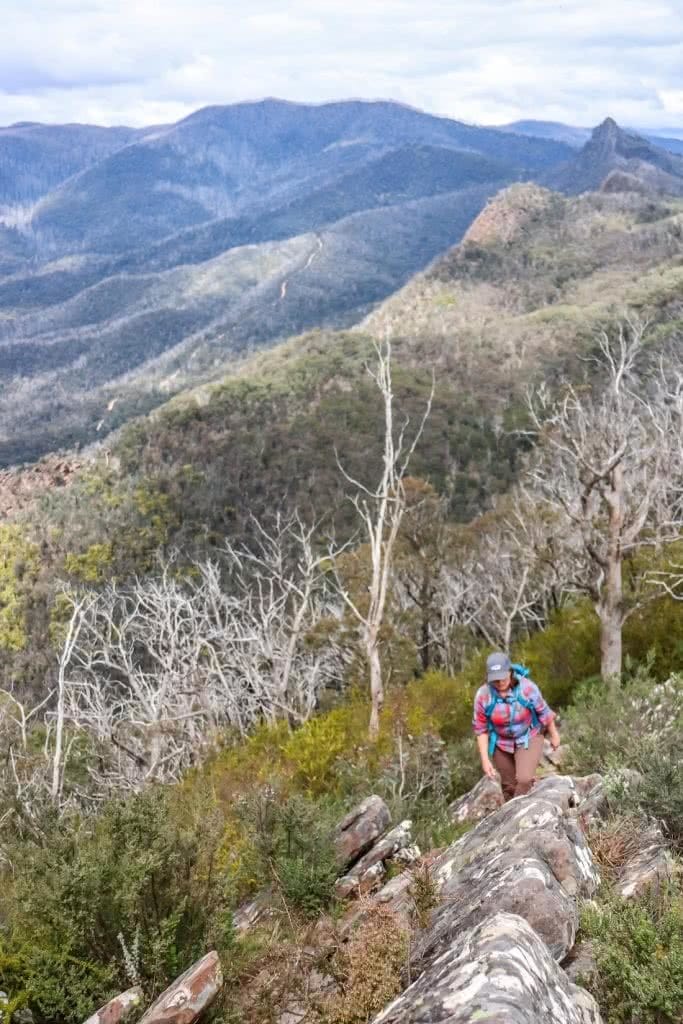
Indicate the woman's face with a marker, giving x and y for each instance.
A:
(503, 685)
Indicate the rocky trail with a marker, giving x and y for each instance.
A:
(497, 942)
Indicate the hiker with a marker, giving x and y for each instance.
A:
(510, 716)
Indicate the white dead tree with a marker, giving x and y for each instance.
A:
(608, 465)
(381, 510)
(282, 584)
(503, 579)
(152, 671)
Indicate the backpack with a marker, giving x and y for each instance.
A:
(519, 673)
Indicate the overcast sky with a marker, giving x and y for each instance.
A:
(143, 62)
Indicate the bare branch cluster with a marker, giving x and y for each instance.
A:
(151, 673)
(609, 465)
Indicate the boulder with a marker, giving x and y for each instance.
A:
(555, 758)
(359, 830)
(407, 855)
(528, 858)
(118, 1009)
(252, 913)
(395, 895)
(580, 966)
(189, 995)
(485, 797)
(648, 868)
(364, 874)
(498, 971)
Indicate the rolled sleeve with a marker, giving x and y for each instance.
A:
(545, 713)
(480, 723)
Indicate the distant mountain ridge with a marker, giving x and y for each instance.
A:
(153, 257)
(146, 261)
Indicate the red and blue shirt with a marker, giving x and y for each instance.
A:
(510, 719)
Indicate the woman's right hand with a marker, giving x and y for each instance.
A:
(488, 769)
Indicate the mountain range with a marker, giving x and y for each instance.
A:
(135, 263)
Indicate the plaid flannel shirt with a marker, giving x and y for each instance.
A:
(510, 719)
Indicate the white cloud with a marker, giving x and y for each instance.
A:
(142, 61)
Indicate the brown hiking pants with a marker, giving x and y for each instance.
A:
(518, 770)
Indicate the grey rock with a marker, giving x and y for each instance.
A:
(185, 1000)
(120, 1008)
(359, 830)
(580, 967)
(252, 913)
(498, 972)
(485, 797)
(408, 855)
(559, 790)
(364, 874)
(555, 758)
(395, 895)
(529, 858)
(651, 866)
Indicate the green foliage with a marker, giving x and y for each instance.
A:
(620, 726)
(565, 652)
(18, 570)
(638, 948)
(143, 875)
(312, 750)
(292, 847)
(93, 565)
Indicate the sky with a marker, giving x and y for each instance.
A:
(142, 62)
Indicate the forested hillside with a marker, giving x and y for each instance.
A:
(243, 614)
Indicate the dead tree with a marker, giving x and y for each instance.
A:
(608, 466)
(381, 510)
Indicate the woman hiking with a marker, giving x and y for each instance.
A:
(510, 716)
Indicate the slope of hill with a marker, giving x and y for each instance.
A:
(154, 264)
(519, 300)
(224, 161)
(611, 149)
(35, 158)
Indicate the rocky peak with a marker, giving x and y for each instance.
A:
(611, 148)
(507, 214)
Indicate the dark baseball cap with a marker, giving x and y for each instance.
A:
(498, 667)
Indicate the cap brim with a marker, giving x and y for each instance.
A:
(497, 677)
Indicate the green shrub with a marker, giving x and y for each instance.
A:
(627, 726)
(142, 875)
(292, 847)
(639, 957)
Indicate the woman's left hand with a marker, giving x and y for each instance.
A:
(555, 740)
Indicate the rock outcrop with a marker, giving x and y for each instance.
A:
(366, 872)
(486, 796)
(119, 1009)
(529, 858)
(183, 1002)
(648, 868)
(497, 971)
(359, 830)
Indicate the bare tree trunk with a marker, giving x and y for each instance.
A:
(376, 685)
(610, 608)
(64, 660)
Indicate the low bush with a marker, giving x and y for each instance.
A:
(291, 845)
(627, 726)
(367, 970)
(638, 948)
(133, 896)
